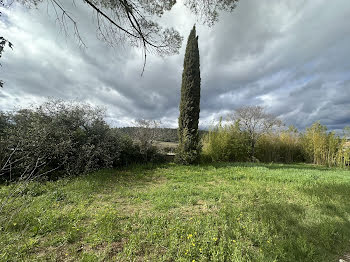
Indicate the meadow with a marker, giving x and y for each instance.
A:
(168, 212)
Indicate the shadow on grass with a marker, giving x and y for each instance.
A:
(130, 175)
(329, 234)
(298, 238)
(268, 165)
(333, 199)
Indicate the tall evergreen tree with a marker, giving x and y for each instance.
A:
(189, 148)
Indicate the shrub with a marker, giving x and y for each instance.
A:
(225, 143)
(284, 147)
(324, 148)
(64, 137)
(229, 143)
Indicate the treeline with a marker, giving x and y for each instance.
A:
(162, 134)
(63, 138)
(316, 145)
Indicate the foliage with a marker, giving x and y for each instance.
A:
(256, 122)
(64, 137)
(145, 136)
(208, 11)
(189, 147)
(3, 40)
(220, 212)
(226, 144)
(232, 143)
(3, 43)
(283, 147)
(132, 21)
(323, 148)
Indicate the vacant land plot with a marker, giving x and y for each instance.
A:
(222, 212)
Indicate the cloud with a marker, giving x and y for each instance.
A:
(289, 56)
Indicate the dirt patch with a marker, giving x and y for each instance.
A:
(116, 247)
(201, 207)
(216, 182)
(63, 255)
(345, 258)
(123, 206)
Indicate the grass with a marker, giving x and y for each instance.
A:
(221, 212)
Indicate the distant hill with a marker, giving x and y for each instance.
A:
(163, 134)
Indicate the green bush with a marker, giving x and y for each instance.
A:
(60, 138)
(284, 147)
(225, 143)
(228, 143)
(325, 148)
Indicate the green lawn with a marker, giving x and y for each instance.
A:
(221, 212)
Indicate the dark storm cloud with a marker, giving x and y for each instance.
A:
(290, 56)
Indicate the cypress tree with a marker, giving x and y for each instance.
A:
(189, 148)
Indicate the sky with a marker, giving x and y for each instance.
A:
(291, 56)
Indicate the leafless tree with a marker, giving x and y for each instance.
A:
(146, 134)
(256, 122)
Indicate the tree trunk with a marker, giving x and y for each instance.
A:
(253, 151)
